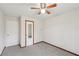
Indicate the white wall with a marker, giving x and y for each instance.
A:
(37, 29)
(63, 31)
(11, 30)
(1, 32)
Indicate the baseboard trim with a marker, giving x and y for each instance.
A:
(20, 46)
(26, 46)
(61, 48)
(38, 42)
(3, 51)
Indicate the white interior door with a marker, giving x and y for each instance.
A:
(29, 33)
(11, 32)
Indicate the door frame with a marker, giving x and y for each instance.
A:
(25, 31)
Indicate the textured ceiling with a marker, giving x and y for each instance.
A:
(19, 9)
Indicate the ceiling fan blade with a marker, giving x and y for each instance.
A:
(48, 12)
(34, 8)
(52, 5)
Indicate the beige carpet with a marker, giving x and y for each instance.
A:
(40, 49)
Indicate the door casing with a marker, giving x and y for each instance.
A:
(25, 31)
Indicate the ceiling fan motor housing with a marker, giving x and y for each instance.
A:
(43, 5)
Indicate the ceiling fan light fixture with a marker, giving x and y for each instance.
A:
(43, 8)
(43, 11)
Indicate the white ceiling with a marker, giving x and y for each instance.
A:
(19, 9)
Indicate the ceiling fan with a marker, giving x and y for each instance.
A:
(43, 8)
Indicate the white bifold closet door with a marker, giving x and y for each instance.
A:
(29, 33)
(11, 32)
